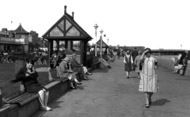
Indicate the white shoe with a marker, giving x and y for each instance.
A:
(46, 108)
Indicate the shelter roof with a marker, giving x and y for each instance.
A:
(103, 43)
(66, 28)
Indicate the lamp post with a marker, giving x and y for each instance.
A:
(101, 32)
(96, 27)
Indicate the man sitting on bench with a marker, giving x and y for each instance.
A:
(81, 70)
(28, 76)
(64, 70)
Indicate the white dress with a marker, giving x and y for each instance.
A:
(148, 81)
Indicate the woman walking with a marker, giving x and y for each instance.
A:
(137, 64)
(128, 61)
(148, 81)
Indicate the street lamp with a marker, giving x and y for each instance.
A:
(101, 32)
(96, 27)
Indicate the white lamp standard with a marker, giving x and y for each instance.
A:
(96, 27)
(101, 32)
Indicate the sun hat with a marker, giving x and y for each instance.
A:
(147, 50)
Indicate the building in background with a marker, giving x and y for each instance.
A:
(19, 40)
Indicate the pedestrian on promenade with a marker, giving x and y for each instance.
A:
(148, 81)
(28, 76)
(119, 53)
(137, 63)
(184, 63)
(128, 61)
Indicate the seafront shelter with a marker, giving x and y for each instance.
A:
(67, 34)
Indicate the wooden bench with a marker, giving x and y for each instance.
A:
(28, 97)
(22, 99)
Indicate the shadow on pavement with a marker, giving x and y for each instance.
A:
(183, 78)
(160, 102)
(55, 104)
(101, 71)
(81, 87)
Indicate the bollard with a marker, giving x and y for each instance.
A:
(1, 98)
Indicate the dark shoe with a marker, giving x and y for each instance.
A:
(79, 83)
(150, 102)
(88, 73)
(86, 77)
(147, 106)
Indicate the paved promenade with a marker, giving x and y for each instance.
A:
(110, 94)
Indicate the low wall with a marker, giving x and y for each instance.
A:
(56, 90)
(168, 63)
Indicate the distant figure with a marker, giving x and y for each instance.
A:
(184, 60)
(128, 61)
(134, 54)
(137, 63)
(181, 64)
(148, 81)
(28, 76)
(118, 53)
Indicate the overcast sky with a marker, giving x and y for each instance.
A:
(149, 23)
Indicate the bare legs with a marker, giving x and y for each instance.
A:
(43, 99)
(127, 74)
(73, 81)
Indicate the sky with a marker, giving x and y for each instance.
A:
(151, 23)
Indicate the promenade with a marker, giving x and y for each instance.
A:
(110, 94)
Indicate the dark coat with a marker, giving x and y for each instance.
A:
(30, 82)
(76, 67)
(128, 63)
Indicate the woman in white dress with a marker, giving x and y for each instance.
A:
(148, 81)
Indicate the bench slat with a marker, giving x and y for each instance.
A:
(22, 99)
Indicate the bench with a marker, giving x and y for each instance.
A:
(26, 97)
(22, 99)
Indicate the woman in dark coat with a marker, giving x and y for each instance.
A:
(128, 61)
(28, 76)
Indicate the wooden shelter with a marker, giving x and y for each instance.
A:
(104, 45)
(68, 31)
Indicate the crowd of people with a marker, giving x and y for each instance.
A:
(68, 67)
(145, 65)
(39, 57)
